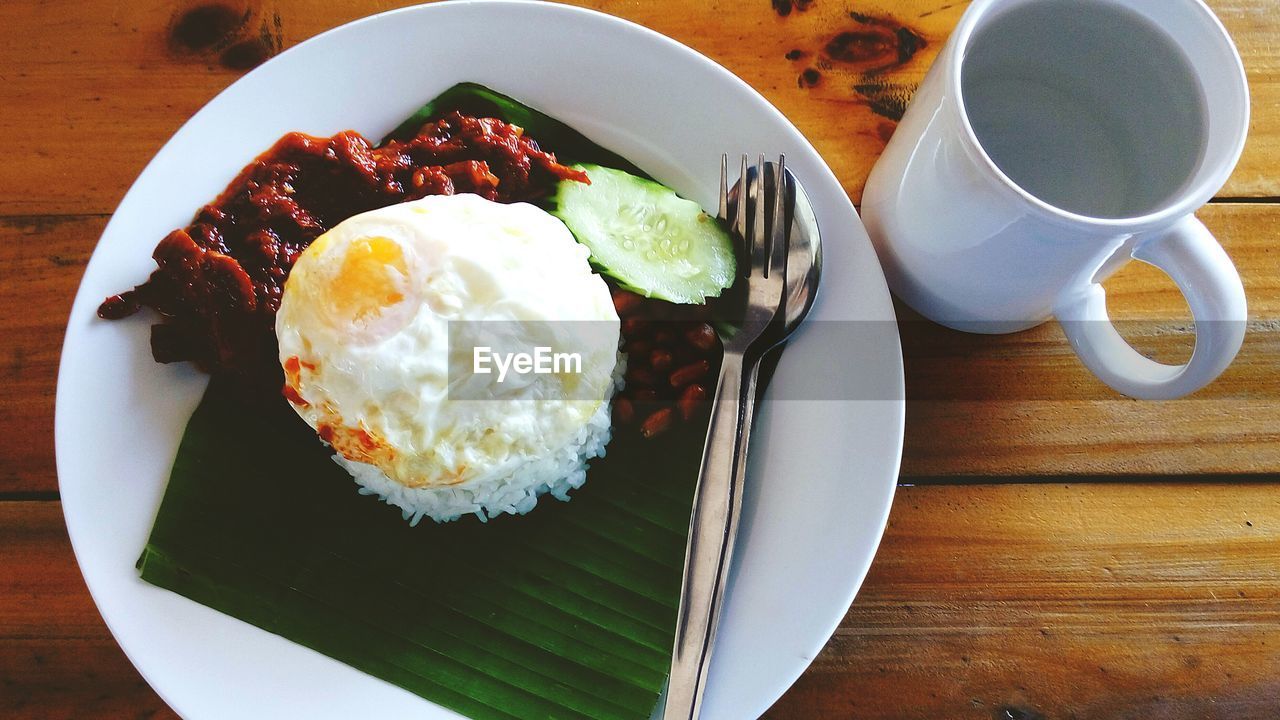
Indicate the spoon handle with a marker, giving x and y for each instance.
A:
(747, 402)
(712, 526)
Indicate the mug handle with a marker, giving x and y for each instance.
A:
(1189, 254)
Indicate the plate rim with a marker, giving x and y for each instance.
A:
(82, 301)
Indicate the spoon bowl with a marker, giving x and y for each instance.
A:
(804, 262)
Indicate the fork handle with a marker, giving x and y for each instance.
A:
(712, 525)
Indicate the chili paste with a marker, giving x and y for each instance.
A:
(219, 280)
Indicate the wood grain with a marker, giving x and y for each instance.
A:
(41, 261)
(1144, 600)
(57, 659)
(1012, 602)
(982, 599)
(113, 81)
(1037, 410)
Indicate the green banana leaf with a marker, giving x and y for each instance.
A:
(568, 612)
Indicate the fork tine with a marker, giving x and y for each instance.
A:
(739, 228)
(759, 231)
(723, 212)
(779, 232)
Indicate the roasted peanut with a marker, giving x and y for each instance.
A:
(644, 395)
(626, 302)
(658, 422)
(701, 336)
(641, 375)
(660, 360)
(623, 411)
(689, 373)
(633, 327)
(691, 400)
(638, 347)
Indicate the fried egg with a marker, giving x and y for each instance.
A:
(365, 325)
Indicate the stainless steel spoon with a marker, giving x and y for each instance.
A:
(803, 269)
(804, 266)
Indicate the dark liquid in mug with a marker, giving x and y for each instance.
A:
(1090, 107)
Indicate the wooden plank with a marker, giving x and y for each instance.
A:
(41, 261)
(50, 679)
(1157, 600)
(1010, 405)
(57, 659)
(1051, 601)
(112, 81)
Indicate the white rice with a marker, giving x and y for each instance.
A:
(516, 493)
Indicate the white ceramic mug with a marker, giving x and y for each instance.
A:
(1052, 141)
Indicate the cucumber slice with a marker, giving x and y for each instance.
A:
(646, 237)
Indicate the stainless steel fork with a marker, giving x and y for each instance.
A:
(763, 250)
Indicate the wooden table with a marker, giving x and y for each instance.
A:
(1056, 550)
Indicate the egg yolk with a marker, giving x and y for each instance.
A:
(372, 277)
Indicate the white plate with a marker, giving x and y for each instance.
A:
(823, 473)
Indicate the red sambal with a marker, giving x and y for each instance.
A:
(219, 280)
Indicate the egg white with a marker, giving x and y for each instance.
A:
(370, 368)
